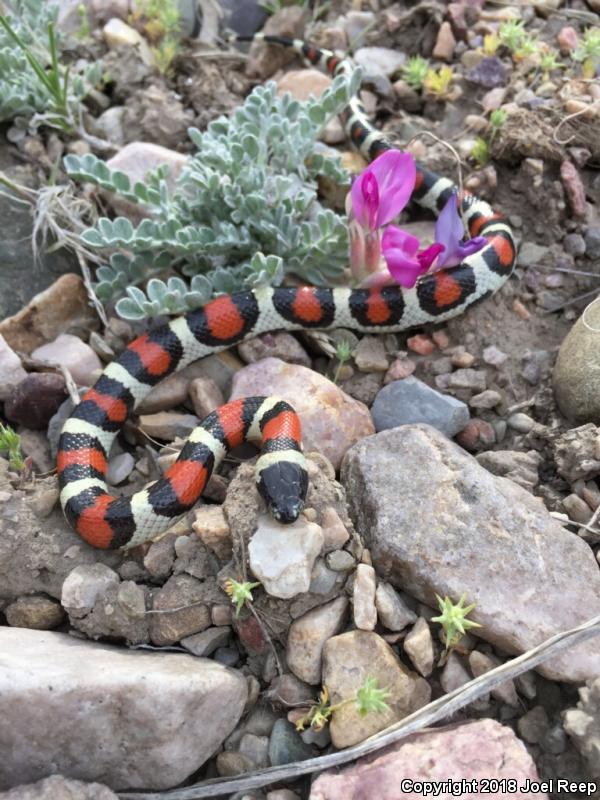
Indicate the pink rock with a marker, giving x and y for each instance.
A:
(445, 43)
(567, 39)
(400, 368)
(475, 751)
(331, 420)
(420, 344)
(11, 369)
(574, 188)
(441, 339)
(476, 435)
(77, 356)
(302, 83)
(493, 99)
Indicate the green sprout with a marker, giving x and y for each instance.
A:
(491, 42)
(480, 152)
(343, 352)
(240, 593)
(497, 120)
(84, 30)
(588, 52)
(453, 619)
(162, 26)
(369, 699)
(415, 71)
(549, 61)
(10, 443)
(438, 83)
(512, 34)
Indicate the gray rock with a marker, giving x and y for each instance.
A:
(534, 725)
(308, 634)
(58, 788)
(281, 345)
(161, 715)
(577, 453)
(206, 642)
(340, 560)
(178, 610)
(490, 72)
(410, 400)
(469, 524)
(574, 244)
(522, 423)
(583, 726)
(285, 745)
(363, 598)
(592, 242)
(379, 61)
(392, 611)
(531, 254)
(256, 748)
(576, 380)
(481, 663)
(418, 644)
(522, 468)
(119, 468)
(455, 674)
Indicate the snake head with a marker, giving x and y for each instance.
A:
(283, 486)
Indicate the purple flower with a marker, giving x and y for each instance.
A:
(381, 192)
(404, 260)
(450, 232)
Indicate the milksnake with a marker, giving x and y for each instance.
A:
(105, 521)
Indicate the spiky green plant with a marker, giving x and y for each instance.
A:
(588, 52)
(369, 699)
(415, 71)
(453, 619)
(10, 443)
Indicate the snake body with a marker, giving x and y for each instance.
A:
(105, 521)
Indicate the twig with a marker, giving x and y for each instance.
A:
(87, 282)
(567, 119)
(436, 711)
(70, 384)
(445, 144)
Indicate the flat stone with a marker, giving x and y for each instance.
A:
(522, 468)
(379, 60)
(469, 523)
(282, 556)
(481, 663)
(410, 400)
(331, 420)
(286, 746)
(392, 611)
(418, 645)
(168, 425)
(205, 396)
(72, 353)
(472, 751)
(206, 642)
(370, 355)
(213, 529)
(183, 613)
(455, 673)
(165, 395)
(119, 468)
(308, 634)
(281, 345)
(363, 598)
(304, 83)
(490, 72)
(348, 660)
(34, 611)
(58, 788)
(335, 533)
(161, 716)
(11, 368)
(36, 399)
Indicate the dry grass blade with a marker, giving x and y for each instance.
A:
(439, 710)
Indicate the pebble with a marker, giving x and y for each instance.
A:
(230, 763)
(490, 72)
(402, 367)
(206, 642)
(165, 395)
(420, 344)
(460, 358)
(331, 420)
(335, 533)
(481, 663)
(264, 61)
(486, 399)
(576, 386)
(493, 99)
(348, 659)
(531, 254)
(358, 23)
(302, 84)
(577, 509)
(181, 598)
(287, 691)
(340, 560)
(34, 611)
(117, 33)
(307, 636)
(418, 645)
(120, 468)
(168, 425)
(11, 368)
(592, 242)
(472, 379)
(450, 493)
(212, 527)
(56, 787)
(492, 751)
(445, 43)
(522, 423)
(410, 400)
(35, 399)
(534, 725)
(379, 61)
(454, 674)
(282, 556)
(392, 611)
(256, 748)
(493, 356)
(363, 598)
(274, 345)
(370, 356)
(286, 746)
(322, 579)
(139, 700)
(574, 188)
(205, 396)
(567, 39)
(574, 244)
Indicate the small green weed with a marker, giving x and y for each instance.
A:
(240, 593)
(453, 620)
(369, 699)
(415, 71)
(10, 443)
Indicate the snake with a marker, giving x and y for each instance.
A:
(108, 522)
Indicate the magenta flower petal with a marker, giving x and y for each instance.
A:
(449, 231)
(370, 196)
(396, 175)
(394, 238)
(428, 256)
(400, 253)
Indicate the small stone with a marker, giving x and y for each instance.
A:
(322, 579)
(379, 61)
(167, 394)
(221, 615)
(274, 345)
(592, 242)
(486, 399)
(493, 99)
(489, 73)
(441, 339)
(119, 468)
(392, 611)
(34, 611)
(493, 356)
(567, 39)
(181, 601)
(574, 188)
(522, 423)
(455, 674)
(462, 359)
(481, 663)
(35, 399)
(522, 468)
(472, 379)
(445, 43)
(205, 396)
(369, 355)
(400, 368)
(304, 83)
(410, 400)
(335, 534)
(574, 244)
(256, 748)
(117, 33)
(288, 691)
(357, 24)
(577, 509)
(534, 725)
(264, 60)
(160, 557)
(11, 368)
(408, 98)
(363, 597)
(418, 645)
(420, 344)
(340, 560)
(83, 585)
(55, 787)
(229, 764)
(282, 556)
(213, 529)
(286, 746)
(168, 425)
(206, 642)
(307, 636)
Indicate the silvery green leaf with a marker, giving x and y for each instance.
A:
(156, 290)
(127, 308)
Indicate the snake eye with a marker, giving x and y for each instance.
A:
(283, 486)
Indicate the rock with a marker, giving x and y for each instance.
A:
(577, 453)
(256, 748)
(340, 560)
(117, 33)
(155, 113)
(379, 61)
(489, 73)
(473, 751)
(109, 125)
(348, 659)
(274, 345)
(168, 425)
(481, 663)
(574, 188)
(11, 368)
(173, 391)
(205, 396)
(51, 312)
(418, 645)
(335, 533)
(522, 468)
(363, 598)
(567, 39)
(35, 399)
(286, 746)
(304, 83)
(363, 387)
(58, 788)
(72, 353)
(206, 642)
(119, 468)
(393, 612)
(212, 527)
(308, 634)
(455, 674)
(180, 600)
(84, 585)
(592, 242)
(369, 355)
(534, 725)
(282, 556)
(229, 763)
(574, 244)
(34, 611)
(583, 726)
(138, 699)
(493, 356)
(577, 509)
(410, 400)
(331, 420)
(473, 380)
(399, 369)
(576, 384)
(420, 344)
(265, 60)
(486, 399)
(470, 523)
(445, 43)
(477, 434)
